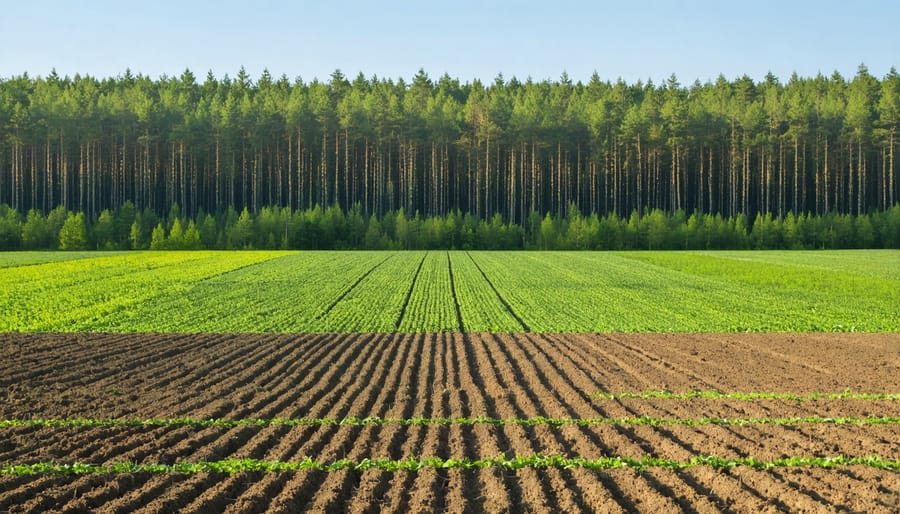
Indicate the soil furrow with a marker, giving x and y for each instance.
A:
(647, 444)
(353, 363)
(141, 376)
(327, 371)
(221, 494)
(387, 441)
(538, 379)
(256, 498)
(508, 376)
(16, 491)
(174, 498)
(497, 493)
(326, 444)
(426, 491)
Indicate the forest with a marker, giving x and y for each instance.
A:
(820, 146)
(127, 228)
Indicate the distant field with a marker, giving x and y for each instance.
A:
(451, 291)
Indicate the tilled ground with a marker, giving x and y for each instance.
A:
(209, 376)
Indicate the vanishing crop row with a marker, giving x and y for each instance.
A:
(15, 259)
(690, 292)
(868, 263)
(100, 294)
(748, 396)
(534, 461)
(290, 294)
(806, 293)
(439, 291)
(481, 308)
(585, 292)
(431, 306)
(536, 421)
(376, 303)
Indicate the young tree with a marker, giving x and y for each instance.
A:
(208, 232)
(657, 230)
(241, 234)
(401, 230)
(104, 232)
(158, 238)
(73, 234)
(548, 233)
(10, 229)
(175, 241)
(136, 236)
(192, 237)
(37, 233)
(373, 237)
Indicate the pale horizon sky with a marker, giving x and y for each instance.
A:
(468, 39)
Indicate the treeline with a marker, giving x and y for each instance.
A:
(333, 228)
(817, 145)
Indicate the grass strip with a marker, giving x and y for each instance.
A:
(556, 422)
(536, 461)
(747, 396)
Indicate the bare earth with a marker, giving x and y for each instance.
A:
(445, 375)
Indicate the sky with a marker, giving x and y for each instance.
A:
(631, 40)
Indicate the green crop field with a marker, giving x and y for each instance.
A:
(451, 291)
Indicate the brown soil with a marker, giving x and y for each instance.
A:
(444, 375)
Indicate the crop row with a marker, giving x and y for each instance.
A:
(534, 461)
(449, 291)
(480, 420)
(797, 296)
(852, 262)
(602, 292)
(747, 396)
(106, 292)
(376, 304)
(431, 307)
(481, 309)
(16, 259)
(585, 292)
(277, 295)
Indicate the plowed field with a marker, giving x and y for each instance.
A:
(453, 396)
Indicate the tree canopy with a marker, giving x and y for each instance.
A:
(316, 229)
(811, 145)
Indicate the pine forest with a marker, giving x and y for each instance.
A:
(811, 146)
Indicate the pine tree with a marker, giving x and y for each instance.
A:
(158, 238)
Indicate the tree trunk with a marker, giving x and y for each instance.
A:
(891, 169)
(861, 178)
(827, 185)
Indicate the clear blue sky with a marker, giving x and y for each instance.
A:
(634, 40)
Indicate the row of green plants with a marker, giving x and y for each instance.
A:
(431, 306)
(226, 292)
(107, 292)
(747, 396)
(422, 421)
(375, 304)
(534, 461)
(548, 292)
(294, 293)
(601, 292)
(480, 306)
(335, 228)
(804, 293)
